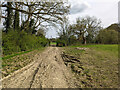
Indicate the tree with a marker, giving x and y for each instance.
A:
(9, 17)
(65, 31)
(86, 28)
(107, 37)
(32, 26)
(44, 13)
(40, 32)
(16, 18)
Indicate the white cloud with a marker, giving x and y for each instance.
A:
(78, 6)
(106, 10)
(119, 12)
(101, 1)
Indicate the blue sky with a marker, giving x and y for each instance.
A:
(105, 10)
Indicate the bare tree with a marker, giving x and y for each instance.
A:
(44, 13)
(88, 26)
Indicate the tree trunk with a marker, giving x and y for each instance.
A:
(84, 40)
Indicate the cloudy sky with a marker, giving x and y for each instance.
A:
(105, 10)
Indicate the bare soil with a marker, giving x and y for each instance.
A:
(46, 71)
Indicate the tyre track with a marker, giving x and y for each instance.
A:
(47, 71)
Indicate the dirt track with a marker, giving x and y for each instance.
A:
(47, 71)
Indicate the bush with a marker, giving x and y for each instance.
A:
(14, 41)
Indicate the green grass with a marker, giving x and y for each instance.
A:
(102, 63)
(53, 43)
(10, 56)
(100, 46)
(19, 53)
(108, 48)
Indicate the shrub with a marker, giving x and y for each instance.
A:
(16, 41)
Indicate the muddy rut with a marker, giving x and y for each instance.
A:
(47, 71)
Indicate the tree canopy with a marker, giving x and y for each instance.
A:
(43, 13)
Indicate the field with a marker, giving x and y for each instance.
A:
(53, 43)
(99, 65)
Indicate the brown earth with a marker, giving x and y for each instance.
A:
(46, 71)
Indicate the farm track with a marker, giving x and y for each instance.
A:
(46, 71)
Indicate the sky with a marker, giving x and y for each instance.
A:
(119, 13)
(105, 10)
